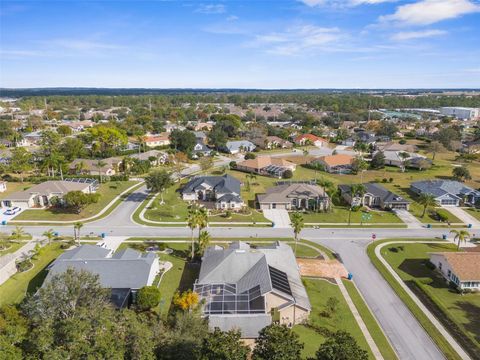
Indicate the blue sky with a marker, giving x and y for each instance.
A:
(241, 44)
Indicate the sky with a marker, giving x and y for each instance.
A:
(267, 44)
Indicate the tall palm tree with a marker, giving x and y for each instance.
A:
(192, 223)
(461, 235)
(297, 225)
(76, 232)
(203, 241)
(202, 219)
(99, 164)
(49, 235)
(404, 156)
(426, 200)
(358, 190)
(18, 233)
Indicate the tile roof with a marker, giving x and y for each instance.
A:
(466, 265)
(263, 161)
(338, 159)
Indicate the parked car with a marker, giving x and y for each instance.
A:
(12, 211)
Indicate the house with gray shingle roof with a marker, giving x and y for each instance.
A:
(376, 196)
(124, 272)
(447, 192)
(247, 288)
(235, 147)
(221, 191)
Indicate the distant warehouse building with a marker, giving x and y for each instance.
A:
(462, 113)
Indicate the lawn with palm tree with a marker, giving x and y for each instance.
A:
(108, 192)
(460, 313)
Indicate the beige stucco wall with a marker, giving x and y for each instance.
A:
(289, 315)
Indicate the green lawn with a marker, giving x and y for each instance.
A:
(13, 247)
(14, 289)
(339, 214)
(474, 212)
(108, 192)
(319, 291)
(372, 325)
(174, 208)
(410, 262)
(443, 345)
(254, 216)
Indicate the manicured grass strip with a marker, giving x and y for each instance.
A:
(432, 331)
(14, 289)
(13, 247)
(370, 321)
(315, 332)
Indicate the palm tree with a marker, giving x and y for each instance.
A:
(18, 233)
(203, 241)
(49, 235)
(426, 200)
(202, 219)
(192, 222)
(404, 156)
(358, 190)
(99, 164)
(461, 235)
(249, 177)
(76, 232)
(297, 224)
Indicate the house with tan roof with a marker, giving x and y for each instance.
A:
(161, 139)
(39, 196)
(272, 142)
(336, 164)
(294, 196)
(310, 139)
(266, 165)
(459, 268)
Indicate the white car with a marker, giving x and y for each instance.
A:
(12, 211)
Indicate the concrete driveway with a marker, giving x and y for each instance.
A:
(464, 216)
(278, 217)
(411, 221)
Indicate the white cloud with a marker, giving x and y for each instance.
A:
(313, 3)
(232, 18)
(211, 9)
(296, 40)
(410, 35)
(426, 12)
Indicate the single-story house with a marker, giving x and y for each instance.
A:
(306, 139)
(124, 272)
(201, 148)
(41, 194)
(200, 137)
(294, 196)
(336, 164)
(3, 186)
(161, 157)
(235, 147)
(203, 126)
(376, 196)
(459, 268)
(413, 160)
(157, 140)
(266, 165)
(391, 146)
(91, 167)
(248, 288)
(472, 147)
(272, 142)
(78, 126)
(221, 191)
(447, 192)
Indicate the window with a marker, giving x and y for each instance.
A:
(449, 273)
(440, 265)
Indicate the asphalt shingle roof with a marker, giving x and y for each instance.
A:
(221, 184)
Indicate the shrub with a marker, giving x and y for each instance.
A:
(148, 297)
(442, 215)
(250, 155)
(233, 165)
(402, 142)
(384, 180)
(24, 265)
(287, 174)
(390, 180)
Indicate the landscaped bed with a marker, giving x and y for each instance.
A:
(108, 192)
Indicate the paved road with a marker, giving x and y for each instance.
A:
(406, 335)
